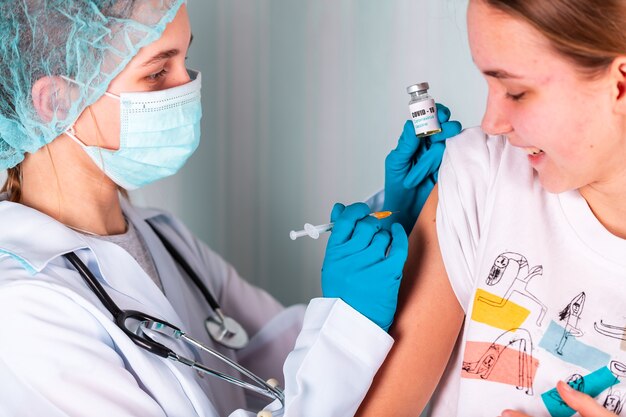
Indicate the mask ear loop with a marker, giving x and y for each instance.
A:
(71, 133)
(98, 137)
(71, 130)
(98, 144)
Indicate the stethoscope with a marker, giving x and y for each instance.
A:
(222, 329)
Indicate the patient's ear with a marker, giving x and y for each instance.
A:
(51, 97)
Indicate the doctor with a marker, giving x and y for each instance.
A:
(95, 99)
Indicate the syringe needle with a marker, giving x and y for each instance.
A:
(315, 231)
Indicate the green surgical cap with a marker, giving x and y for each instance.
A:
(87, 41)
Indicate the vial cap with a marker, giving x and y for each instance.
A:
(417, 88)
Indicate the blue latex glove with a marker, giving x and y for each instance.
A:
(411, 169)
(364, 262)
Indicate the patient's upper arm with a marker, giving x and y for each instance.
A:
(427, 324)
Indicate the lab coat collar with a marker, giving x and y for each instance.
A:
(34, 238)
(163, 261)
(137, 215)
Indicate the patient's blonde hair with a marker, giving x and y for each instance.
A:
(590, 33)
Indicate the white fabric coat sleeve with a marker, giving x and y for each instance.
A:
(272, 328)
(376, 201)
(332, 366)
(52, 352)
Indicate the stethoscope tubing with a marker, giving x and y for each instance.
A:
(120, 316)
(188, 269)
(146, 342)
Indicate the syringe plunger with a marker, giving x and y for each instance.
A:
(315, 231)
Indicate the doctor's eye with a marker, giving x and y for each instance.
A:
(156, 76)
(515, 97)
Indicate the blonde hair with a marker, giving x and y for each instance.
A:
(590, 33)
(13, 184)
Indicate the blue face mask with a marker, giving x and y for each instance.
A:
(159, 130)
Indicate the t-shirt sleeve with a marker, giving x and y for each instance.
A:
(465, 177)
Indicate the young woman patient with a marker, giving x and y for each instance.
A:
(517, 270)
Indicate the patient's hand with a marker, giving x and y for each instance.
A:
(582, 403)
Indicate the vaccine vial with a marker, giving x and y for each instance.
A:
(423, 110)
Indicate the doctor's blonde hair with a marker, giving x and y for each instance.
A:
(590, 33)
(13, 184)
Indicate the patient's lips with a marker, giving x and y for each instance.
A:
(533, 151)
(535, 156)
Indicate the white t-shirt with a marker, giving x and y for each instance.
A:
(542, 282)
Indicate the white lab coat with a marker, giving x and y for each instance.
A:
(376, 201)
(61, 355)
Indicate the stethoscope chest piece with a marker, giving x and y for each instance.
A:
(223, 330)
(226, 331)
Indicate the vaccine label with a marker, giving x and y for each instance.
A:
(424, 115)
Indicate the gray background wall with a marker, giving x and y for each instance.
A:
(303, 99)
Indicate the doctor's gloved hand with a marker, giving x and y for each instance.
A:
(363, 263)
(411, 169)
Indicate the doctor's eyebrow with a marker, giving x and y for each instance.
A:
(161, 56)
(500, 74)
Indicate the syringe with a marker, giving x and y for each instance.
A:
(315, 231)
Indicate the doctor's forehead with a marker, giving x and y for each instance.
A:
(176, 39)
